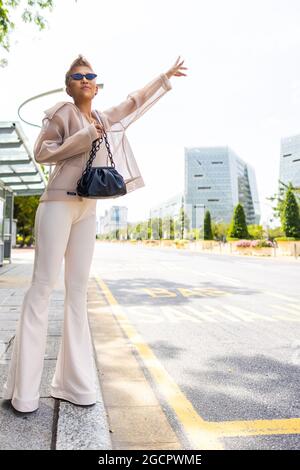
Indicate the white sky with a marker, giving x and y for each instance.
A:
(242, 88)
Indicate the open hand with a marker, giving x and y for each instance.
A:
(175, 70)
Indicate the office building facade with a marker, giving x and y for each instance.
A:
(216, 179)
(114, 218)
(289, 168)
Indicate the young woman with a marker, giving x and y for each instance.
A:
(65, 228)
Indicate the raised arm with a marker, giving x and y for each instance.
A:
(138, 102)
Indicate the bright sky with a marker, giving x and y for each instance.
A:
(242, 88)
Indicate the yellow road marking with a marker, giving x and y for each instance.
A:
(201, 292)
(185, 292)
(159, 292)
(202, 434)
(257, 427)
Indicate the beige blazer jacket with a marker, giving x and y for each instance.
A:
(66, 137)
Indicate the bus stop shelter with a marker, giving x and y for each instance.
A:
(20, 175)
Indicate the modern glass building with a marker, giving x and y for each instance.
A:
(217, 179)
(289, 170)
(170, 207)
(114, 218)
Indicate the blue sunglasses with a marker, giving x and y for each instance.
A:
(79, 76)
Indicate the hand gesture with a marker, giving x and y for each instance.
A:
(175, 70)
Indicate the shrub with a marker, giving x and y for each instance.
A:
(290, 216)
(261, 243)
(238, 226)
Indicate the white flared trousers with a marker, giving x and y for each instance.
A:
(63, 229)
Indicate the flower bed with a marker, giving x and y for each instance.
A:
(254, 247)
(181, 243)
(254, 243)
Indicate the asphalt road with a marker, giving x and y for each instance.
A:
(225, 329)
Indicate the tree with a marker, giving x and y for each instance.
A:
(138, 230)
(30, 14)
(172, 228)
(168, 227)
(256, 231)
(219, 229)
(207, 226)
(24, 211)
(149, 229)
(290, 217)
(238, 226)
(160, 228)
(278, 198)
(182, 223)
(155, 228)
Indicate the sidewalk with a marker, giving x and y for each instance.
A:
(56, 424)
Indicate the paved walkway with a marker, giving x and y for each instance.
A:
(56, 424)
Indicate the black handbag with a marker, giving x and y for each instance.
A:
(100, 181)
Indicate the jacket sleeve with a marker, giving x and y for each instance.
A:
(137, 102)
(51, 147)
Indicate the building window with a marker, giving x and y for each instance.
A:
(204, 187)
